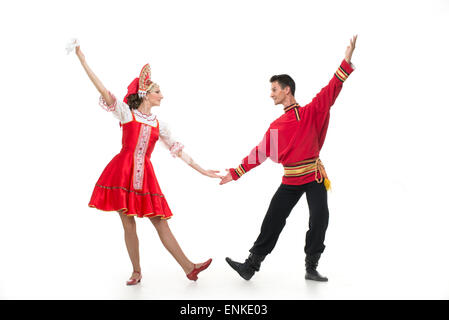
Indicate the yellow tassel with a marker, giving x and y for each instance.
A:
(327, 184)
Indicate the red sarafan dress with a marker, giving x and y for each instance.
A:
(128, 182)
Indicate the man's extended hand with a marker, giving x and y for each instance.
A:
(350, 49)
(227, 178)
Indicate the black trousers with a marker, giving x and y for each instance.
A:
(282, 204)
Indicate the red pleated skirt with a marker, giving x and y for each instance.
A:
(114, 190)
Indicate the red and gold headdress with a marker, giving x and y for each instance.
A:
(141, 85)
(145, 80)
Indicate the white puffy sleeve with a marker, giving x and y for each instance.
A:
(171, 144)
(118, 108)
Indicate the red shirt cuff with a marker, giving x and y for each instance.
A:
(343, 71)
(346, 66)
(234, 174)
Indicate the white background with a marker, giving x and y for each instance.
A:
(386, 150)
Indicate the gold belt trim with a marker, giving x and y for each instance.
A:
(302, 168)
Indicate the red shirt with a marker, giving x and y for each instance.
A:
(299, 133)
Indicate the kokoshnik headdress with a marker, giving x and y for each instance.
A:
(141, 85)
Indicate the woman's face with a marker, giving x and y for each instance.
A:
(154, 96)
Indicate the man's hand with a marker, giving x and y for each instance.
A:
(227, 178)
(350, 49)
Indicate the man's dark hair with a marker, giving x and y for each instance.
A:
(284, 80)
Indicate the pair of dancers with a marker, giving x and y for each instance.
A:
(128, 184)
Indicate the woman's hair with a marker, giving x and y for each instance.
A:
(134, 101)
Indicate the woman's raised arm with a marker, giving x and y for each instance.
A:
(100, 87)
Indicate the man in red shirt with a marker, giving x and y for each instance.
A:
(295, 140)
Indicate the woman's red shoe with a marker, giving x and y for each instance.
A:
(193, 275)
(132, 282)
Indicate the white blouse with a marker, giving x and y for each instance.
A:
(123, 113)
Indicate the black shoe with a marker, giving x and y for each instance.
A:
(311, 265)
(247, 269)
(315, 276)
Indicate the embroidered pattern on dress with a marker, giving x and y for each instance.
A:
(127, 190)
(139, 156)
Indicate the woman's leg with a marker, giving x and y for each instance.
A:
(170, 243)
(132, 242)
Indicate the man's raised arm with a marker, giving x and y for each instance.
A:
(327, 96)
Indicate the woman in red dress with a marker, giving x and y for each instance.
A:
(128, 184)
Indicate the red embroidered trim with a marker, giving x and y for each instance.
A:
(149, 117)
(175, 148)
(105, 106)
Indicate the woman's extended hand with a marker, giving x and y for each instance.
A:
(212, 174)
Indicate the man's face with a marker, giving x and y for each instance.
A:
(277, 93)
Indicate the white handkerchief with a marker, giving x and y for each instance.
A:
(72, 45)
